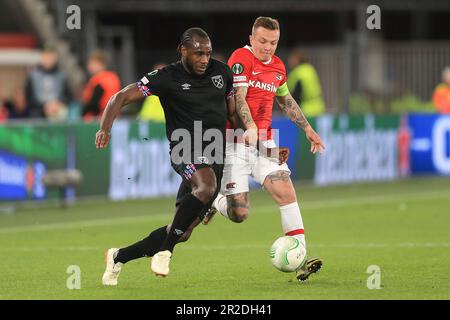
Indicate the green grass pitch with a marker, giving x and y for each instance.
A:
(402, 227)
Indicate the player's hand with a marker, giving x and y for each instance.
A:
(251, 136)
(102, 138)
(316, 142)
(283, 155)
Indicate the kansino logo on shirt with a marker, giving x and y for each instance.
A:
(262, 85)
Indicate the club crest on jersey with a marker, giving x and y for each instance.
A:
(217, 81)
(279, 76)
(203, 160)
(237, 68)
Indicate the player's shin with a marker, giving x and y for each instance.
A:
(186, 214)
(147, 247)
(292, 223)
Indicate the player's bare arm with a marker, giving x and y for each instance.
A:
(125, 96)
(288, 104)
(233, 117)
(242, 109)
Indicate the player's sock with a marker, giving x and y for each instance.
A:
(292, 223)
(220, 203)
(187, 212)
(147, 247)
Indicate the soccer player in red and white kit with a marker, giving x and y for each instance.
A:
(259, 78)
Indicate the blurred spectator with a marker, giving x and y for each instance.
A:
(441, 95)
(46, 89)
(304, 85)
(4, 114)
(17, 107)
(151, 108)
(100, 87)
(219, 57)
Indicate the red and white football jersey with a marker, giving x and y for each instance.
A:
(262, 80)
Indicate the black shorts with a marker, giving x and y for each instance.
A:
(186, 171)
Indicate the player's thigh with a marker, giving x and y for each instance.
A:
(280, 187)
(275, 178)
(204, 177)
(236, 170)
(204, 184)
(263, 166)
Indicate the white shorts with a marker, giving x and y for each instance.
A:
(241, 162)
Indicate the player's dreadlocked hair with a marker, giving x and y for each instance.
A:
(266, 23)
(187, 38)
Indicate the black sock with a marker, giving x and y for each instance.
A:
(147, 247)
(187, 212)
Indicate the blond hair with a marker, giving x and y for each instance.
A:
(266, 23)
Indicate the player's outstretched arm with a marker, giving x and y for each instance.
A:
(125, 96)
(292, 109)
(243, 111)
(232, 114)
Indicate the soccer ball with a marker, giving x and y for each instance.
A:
(287, 254)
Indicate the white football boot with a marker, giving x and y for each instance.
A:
(112, 270)
(160, 263)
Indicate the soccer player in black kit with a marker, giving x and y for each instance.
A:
(196, 88)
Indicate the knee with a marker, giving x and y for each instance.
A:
(205, 193)
(238, 214)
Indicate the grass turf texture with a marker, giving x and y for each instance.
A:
(402, 227)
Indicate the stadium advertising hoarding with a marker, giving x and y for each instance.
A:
(26, 153)
(358, 148)
(140, 162)
(137, 164)
(430, 143)
(20, 179)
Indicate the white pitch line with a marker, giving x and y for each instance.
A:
(309, 205)
(352, 201)
(342, 245)
(252, 246)
(82, 224)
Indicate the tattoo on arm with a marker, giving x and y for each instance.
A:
(278, 176)
(293, 111)
(242, 107)
(232, 114)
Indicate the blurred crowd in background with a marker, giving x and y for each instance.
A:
(334, 64)
(45, 94)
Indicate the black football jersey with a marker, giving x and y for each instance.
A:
(188, 98)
